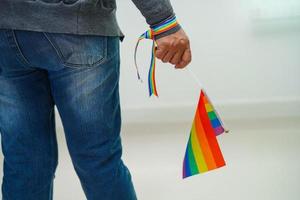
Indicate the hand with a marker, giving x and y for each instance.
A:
(175, 49)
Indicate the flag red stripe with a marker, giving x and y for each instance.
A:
(210, 134)
(203, 141)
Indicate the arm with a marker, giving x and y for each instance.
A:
(172, 46)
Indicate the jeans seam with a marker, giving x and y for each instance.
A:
(72, 65)
(52, 131)
(25, 61)
(58, 52)
(17, 49)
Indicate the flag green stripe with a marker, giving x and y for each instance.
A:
(197, 151)
(192, 162)
(212, 115)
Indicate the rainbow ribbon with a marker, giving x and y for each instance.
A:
(150, 34)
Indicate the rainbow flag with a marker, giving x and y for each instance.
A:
(203, 152)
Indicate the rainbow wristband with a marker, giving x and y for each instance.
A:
(150, 34)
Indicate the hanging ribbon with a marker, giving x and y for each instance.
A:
(150, 34)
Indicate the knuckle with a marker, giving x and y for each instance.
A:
(183, 42)
(174, 44)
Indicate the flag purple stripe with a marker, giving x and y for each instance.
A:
(219, 130)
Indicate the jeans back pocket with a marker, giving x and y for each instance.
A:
(79, 50)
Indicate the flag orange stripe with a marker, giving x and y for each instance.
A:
(203, 96)
(207, 153)
(209, 131)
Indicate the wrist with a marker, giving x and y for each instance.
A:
(166, 27)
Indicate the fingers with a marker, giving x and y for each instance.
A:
(161, 52)
(168, 56)
(171, 52)
(177, 53)
(164, 51)
(185, 60)
(177, 57)
(175, 49)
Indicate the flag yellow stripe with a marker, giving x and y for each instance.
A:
(208, 107)
(202, 167)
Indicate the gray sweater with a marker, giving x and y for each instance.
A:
(92, 17)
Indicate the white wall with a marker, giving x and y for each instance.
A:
(246, 53)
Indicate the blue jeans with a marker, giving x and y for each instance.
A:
(80, 75)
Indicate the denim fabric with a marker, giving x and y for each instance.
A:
(80, 75)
